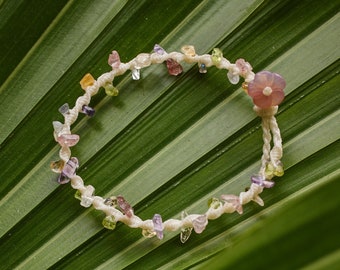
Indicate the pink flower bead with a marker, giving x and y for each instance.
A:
(266, 89)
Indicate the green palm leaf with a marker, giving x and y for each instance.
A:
(168, 143)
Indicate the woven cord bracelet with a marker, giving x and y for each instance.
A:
(265, 89)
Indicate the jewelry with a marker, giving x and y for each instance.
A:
(265, 89)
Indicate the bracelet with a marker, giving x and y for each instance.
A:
(265, 89)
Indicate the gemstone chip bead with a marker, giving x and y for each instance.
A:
(216, 56)
(87, 81)
(243, 66)
(64, 109)
(68, 171)
(279, 171)
(57, 166)
(261, 181)
(234, 200)
(158, 225)
(110, 90)
(185, 234)
(174, 68)
(214, 203)
(77, 195)
(68, 140)
(86, 201)
(63, 179)
(109, 222)
(70, 167)
(114, 60)
(269, 170)
(189, 50)
(233, 78)
(124, 206)
(158, 49)
(58, 127)
(186, 231)
(111, 201)
(245, 87)
(135, 73)
(200, 223)
(89, 111)
(86, 198)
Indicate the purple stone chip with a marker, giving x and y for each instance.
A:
(158, 225)
(89, 111)
(158, 49)
(261, 181)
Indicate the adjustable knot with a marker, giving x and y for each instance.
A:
(267, 112)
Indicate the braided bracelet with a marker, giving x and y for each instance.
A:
(265, 89)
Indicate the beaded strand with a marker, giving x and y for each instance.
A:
(266, 90)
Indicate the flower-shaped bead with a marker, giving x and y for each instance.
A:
(266, 89)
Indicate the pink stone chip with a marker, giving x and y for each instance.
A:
(114, 59)
(174, 68)
(234, 200)
(200, 223)
(124, 206)
(68, 140)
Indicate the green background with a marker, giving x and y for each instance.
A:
(168, 143)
